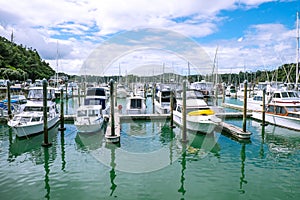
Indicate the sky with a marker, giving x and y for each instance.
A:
(150, 37)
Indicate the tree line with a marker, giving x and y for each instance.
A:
(20, 63)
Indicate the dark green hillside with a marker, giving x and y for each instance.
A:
(20, 63)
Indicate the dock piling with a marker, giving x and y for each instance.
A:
(46, 143)
(184, 138)
(171, 108)
(223, 95)
(112, 134)
(9, 101)
(245, 106)
(62, 118)
(153, 96)
(112, 110)
(264, 108)
(78, 96)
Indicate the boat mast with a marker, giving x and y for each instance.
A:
(297, 53)
(56, 81)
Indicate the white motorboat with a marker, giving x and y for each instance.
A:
(282, 110)
(135, 105)
(97, 96)
(199, 116)
(72, 89)
(230, 91)
(36, 93)
(17, 105)
(89, 118)
(31, 120)
(121, 91)
(162, 101)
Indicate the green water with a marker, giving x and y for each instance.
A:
(151, 163)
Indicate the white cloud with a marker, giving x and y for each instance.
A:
(80, 26)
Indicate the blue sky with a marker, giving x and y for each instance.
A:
(249, 34)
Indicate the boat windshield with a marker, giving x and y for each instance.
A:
(284, 94)
(81, 113)
(293, 94)
(35, 109)
(93, 113)
(25, 119)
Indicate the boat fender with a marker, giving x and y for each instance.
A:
(120, 107)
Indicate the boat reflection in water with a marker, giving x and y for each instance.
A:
(280, 141)
(31, 144)
(89, 142)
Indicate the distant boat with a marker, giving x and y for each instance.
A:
(89, 118)
(136, 105)
(31, 120)
(17, 105)
(36, 93)
(162, 101)
(97, 96)
(121, 91)
(231, 91)
(200, 117)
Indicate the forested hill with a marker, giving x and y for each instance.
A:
(20, 63)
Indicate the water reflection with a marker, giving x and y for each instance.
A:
(88, 142)
(63, 151)
(112, 172)
(243, 158)
(32, 145)
(47, 171)
(183, 167)
(279, 141)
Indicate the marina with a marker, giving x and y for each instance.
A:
(149, 152)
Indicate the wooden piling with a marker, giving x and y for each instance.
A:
(264, 108)
(115, 94)
(112, 110)
(153, 97)
(78, 96)
(184, 138)
(62, 118)
(171, 108)
(66, 88)
(245, 106)
(46, 142)
(223, 96)
(9, 101)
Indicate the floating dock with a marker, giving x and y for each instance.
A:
(235, 131)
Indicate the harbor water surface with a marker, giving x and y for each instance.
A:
(151, 163)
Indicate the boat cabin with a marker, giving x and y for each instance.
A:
(290, 111)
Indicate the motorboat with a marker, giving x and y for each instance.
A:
(72, 89)
(89, 118)
(135, 105)
(31, 120)
(162, 101)
(97, 96)
(121, 91)
(230, 91)
(17, 105)
(282, 110)
(199, 116)
(36, 93)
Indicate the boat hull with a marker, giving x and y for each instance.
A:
(194, 124)
(91, 128)
(283, 121)
(162, 109)
(33, 129)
